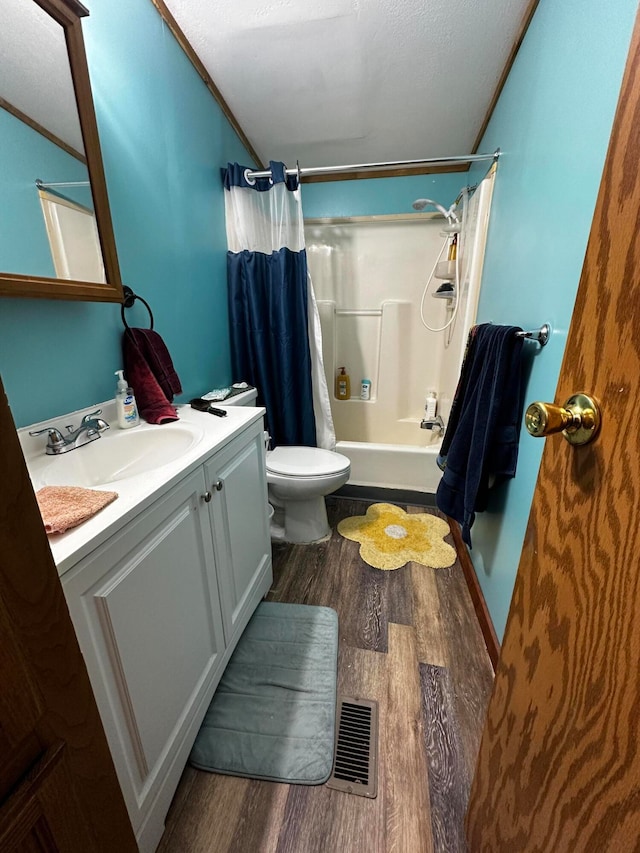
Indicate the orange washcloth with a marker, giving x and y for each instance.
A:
(63, 507)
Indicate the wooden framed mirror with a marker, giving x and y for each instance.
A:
(51, 153)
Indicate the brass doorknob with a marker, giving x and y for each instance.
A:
(578, 420)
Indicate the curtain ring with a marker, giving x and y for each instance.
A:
(250, 181)
(298, 170)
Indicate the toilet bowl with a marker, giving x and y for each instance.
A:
(298, 478)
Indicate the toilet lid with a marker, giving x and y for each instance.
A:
(305, 461)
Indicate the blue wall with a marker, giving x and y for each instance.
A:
(27, 155)
(378, 196)
(163, 141)
(552, 122)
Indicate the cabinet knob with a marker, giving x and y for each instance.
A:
(219, 484)
(207, 497)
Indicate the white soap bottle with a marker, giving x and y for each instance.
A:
(125, 403)
(431, 405)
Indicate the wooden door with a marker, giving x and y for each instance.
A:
(58, 788)
(559, 763)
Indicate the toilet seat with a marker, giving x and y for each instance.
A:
(311, 462)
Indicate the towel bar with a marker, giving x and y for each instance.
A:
(540, 335)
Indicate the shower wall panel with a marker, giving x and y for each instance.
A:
(475, 232)
(369, 276)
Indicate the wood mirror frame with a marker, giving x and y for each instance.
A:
(69, 14)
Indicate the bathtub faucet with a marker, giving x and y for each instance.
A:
(435, 424)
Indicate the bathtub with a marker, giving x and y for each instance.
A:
(392, 466)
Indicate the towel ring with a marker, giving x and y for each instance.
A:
(129, 298)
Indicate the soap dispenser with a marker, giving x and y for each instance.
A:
(125, 403)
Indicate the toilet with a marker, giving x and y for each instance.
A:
(298, 479)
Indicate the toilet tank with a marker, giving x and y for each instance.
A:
(245, 398)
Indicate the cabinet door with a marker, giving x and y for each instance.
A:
(236, 476)
(148, 618)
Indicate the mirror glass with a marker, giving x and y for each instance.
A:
(48, 227)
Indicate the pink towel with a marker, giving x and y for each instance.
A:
(63, 507)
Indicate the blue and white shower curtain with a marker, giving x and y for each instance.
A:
(274, 322)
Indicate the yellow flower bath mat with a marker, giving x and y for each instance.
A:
(389, 538)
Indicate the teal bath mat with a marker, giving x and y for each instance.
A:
(273, 714)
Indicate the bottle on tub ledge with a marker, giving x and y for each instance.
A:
(431, 405)
(365, 389)
(343, 385)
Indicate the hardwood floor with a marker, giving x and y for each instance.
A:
(410, 640)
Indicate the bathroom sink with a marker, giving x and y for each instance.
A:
(117, 455)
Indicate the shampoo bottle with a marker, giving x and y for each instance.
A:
(125, 403)
(343, 385)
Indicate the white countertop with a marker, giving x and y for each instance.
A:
(137, 492)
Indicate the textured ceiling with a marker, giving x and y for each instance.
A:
(353, 81)
(329, 83)
(35, 76)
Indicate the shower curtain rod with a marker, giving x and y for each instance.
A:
(43, 185)
(364, 167)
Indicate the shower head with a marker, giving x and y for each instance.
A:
(421, 203)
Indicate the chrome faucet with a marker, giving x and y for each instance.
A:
(435, 424)
(90, 428)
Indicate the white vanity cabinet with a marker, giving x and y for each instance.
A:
(237, 481)
(158, 609)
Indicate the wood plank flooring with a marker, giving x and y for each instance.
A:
(410, 640)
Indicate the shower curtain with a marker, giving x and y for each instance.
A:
(274, 322)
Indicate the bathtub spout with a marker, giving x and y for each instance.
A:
(436, 425)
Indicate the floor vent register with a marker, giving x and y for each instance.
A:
(355, 766)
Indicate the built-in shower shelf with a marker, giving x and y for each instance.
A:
(451, 294)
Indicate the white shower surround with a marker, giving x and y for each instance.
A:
(369, 274)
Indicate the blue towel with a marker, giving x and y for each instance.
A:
(458, 397)
(481, 441)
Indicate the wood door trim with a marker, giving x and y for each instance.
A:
(477, 597)
(197, 63)
(524, 26)
(43, 131)
(399, 172)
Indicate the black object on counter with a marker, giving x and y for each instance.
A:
(204, 406)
